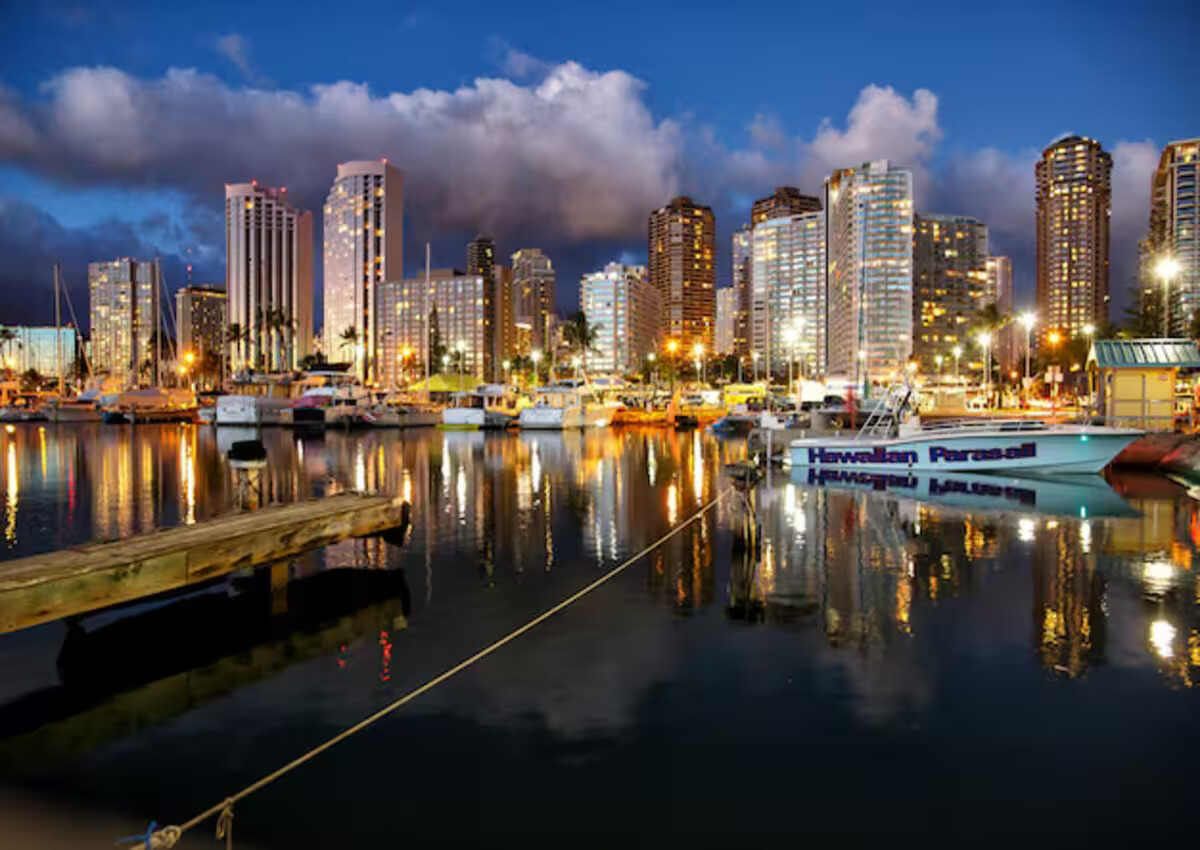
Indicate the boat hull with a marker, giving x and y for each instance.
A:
(563, 418)
(1066, 449)
(473, 419)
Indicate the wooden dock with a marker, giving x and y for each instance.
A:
(70, 582)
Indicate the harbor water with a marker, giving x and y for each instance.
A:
(946, 658)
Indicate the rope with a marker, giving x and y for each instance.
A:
(168, 836)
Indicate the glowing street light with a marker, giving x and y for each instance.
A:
(985, 341)
(957, 352)
(1028, 319)
(698, 354)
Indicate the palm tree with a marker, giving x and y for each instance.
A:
(990, 320)
(349, 337)
(7, 337)
(235, 335)
(580, 335)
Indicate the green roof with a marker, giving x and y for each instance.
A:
(1145, 354)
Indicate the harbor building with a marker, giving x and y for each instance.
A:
(950, 285)
(624, 309)
(200, 320)
(681, 268)
(268, 278)
(869, 285)
(123, 305)
(787, 282)
(364, 246)
(1074, 201)
(1174, 234)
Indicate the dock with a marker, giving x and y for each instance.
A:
(84, 579)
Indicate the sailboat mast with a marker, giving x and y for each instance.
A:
(428, 330)
(58, 359)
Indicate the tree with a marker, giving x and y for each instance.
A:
(436, 349)
(313, 361)
(990, 320)
(7, 337)
(31, 380)
(235, 335)
(579, 335)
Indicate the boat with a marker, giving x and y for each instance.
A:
(488, 406)
(150, 405)
(328, 399)
(565, 405)
(894, 438)
(389, 412)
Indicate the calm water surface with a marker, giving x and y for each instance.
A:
(951, 658)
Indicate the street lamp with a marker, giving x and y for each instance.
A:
(536, 357)
(575, 361)
(789, 336)
(754, 355)
(1167, 269)
(1028, 320)
(651, 358)
(985, 340)
(506, 365)
(862, 370)
(937, 361)
(698, 353)
(957, 352)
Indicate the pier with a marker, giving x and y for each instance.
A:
(88, 578)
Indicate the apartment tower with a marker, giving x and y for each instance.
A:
(1175, 232)
(681, 250)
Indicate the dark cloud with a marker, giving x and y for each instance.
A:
(31, 241)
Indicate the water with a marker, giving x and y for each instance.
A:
(948, 658)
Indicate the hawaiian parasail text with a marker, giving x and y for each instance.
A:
(937, 454)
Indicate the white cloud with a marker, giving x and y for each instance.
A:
(234, 47)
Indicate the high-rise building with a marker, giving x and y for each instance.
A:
(481, 260)
(481, 256)
(681, 267)
(785, 201)
(268, 277)
(533, 296)
(1010, 345)
(200, 320)
(1074, 199)
(727, 312)
(460, 314)
(1175, 232)
(787, 283)
(364, 246)
(869, 287)
(124, 310)
(741, 256)
(47, 351)
(950, 284)
(623, 308)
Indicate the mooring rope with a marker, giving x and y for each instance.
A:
(168, 836)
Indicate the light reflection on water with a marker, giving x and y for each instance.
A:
(877, 589)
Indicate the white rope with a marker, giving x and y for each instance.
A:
(168, 836)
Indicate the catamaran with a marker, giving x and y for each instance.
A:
(893, 438)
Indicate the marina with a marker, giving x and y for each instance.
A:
(874, 610)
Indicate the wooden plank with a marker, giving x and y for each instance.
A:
(76, 581)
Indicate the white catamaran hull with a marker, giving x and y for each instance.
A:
(473, 418)
(564, 418)
(1059, 449)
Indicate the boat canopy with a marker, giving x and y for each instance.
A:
(1144, 354)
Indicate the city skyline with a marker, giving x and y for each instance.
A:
(76, 187)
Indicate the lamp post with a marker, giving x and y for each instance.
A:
(1089, 331)
(536, 357)
(957, 352)
(937, 362)
(506, 365)
(698, 353)
(985, 340)
(650, 358)
(789, 336)
(672, 349)
(1167, 268)
(862, 371)
(754, 360)
(575, 362)
(1028, 320)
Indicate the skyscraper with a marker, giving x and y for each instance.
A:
(787, 282)
(481, 260)
(1175, 232)
(1009, 346)
(727, 312)
(268, 277)
(200, 320)
(1074, 199)
(364, 246)
(623, 308)
(124, 311)
(481, 256)
(868, 223)
(740, 256)
(681, 249)
(533, 295)
(950, 284)
(785, 201)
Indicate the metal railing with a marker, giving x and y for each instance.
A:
(975, 424)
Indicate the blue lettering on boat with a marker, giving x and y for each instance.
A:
(873, 456)
(941, 454)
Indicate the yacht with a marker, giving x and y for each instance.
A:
(152, 404)
(327, 399)
(488, 406)
(894, 438)
(392, 412)
(563, 405)
(256, 400)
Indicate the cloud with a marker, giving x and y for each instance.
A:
(1133, 166)
(234, 47)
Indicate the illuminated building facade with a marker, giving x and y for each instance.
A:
(1175, 232)
(364, 246)
(740, 255)
(1074, 200)
(869, 281)
(727, 310)
(123, 297)
(624, 309)
(268, 277)
(950, 284)
(41, 349)
(533, 295)
(461, 305)
(787, 283)
(200, 319)
(681, 248)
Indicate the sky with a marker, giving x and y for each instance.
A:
(558, 125)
